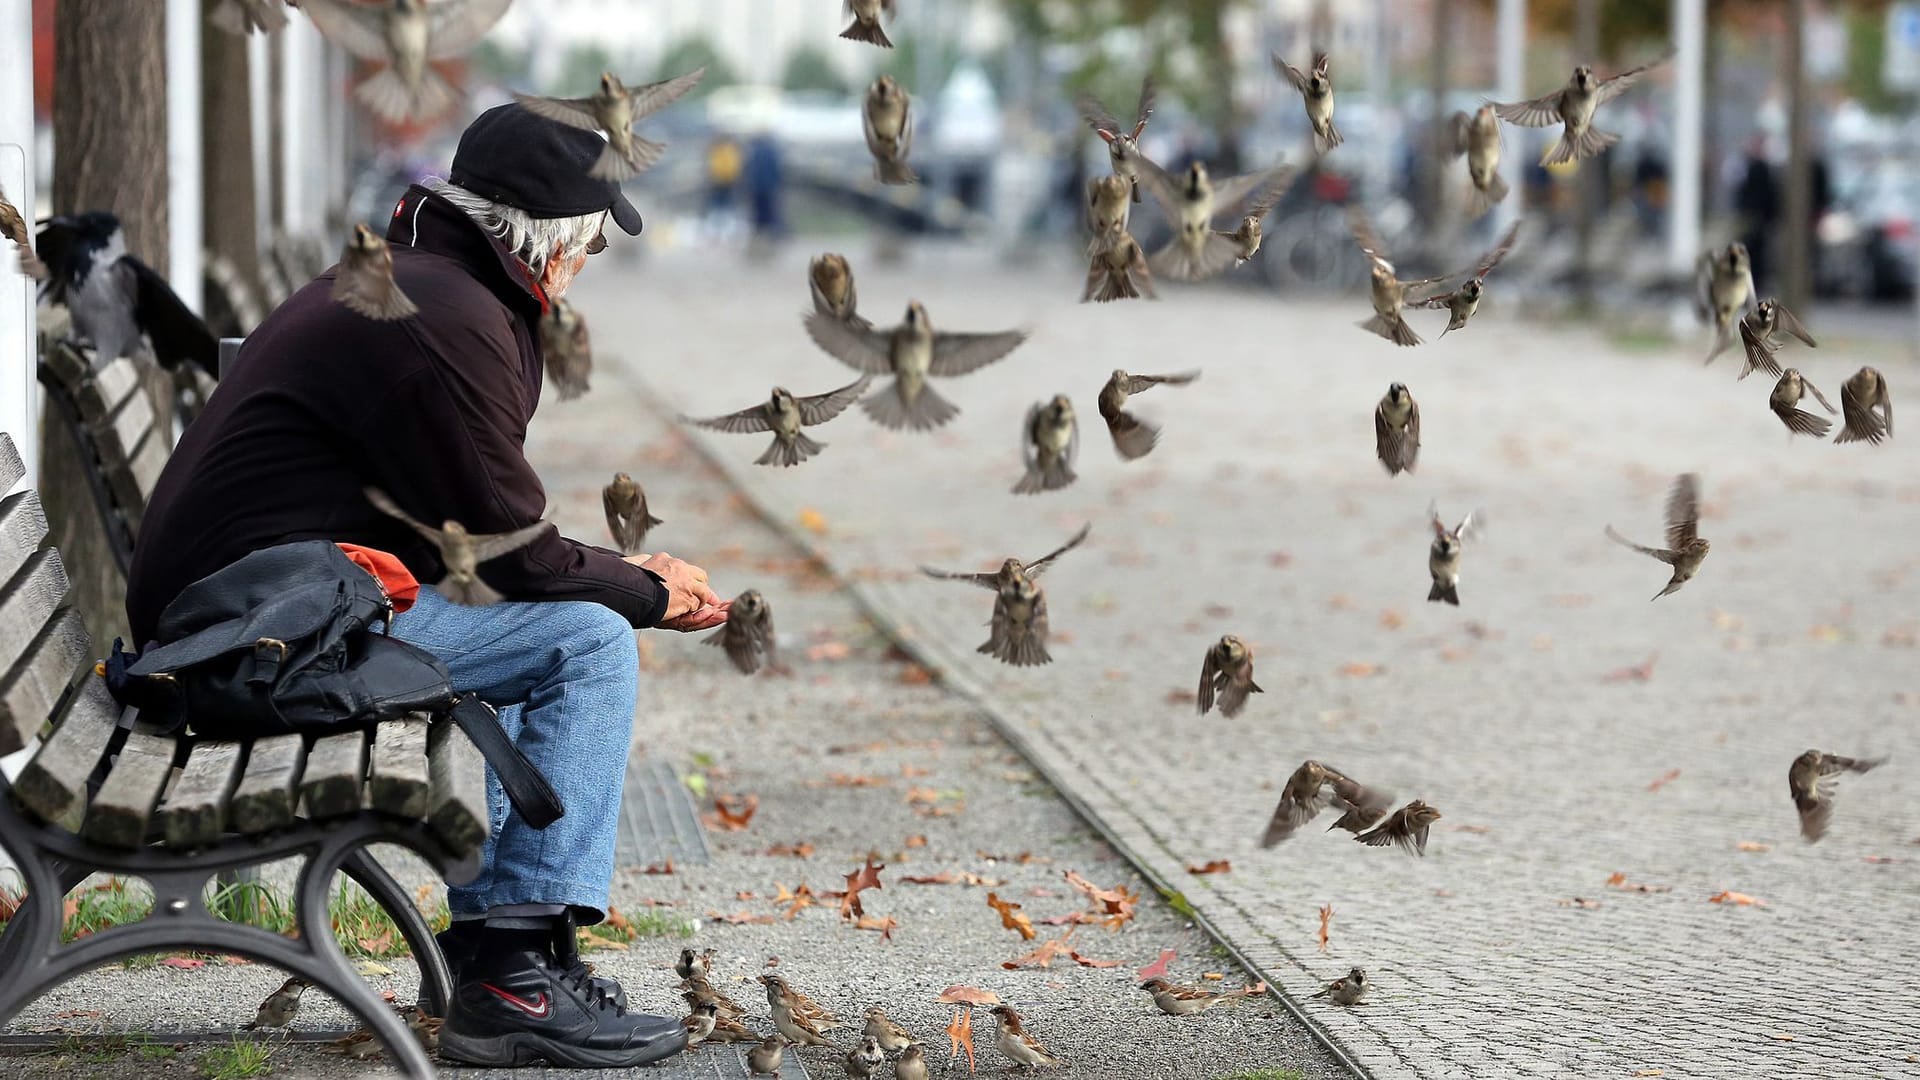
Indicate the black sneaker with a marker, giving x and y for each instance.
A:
(460, 943)
(518, 1007)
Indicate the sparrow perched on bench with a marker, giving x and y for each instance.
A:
(278, 1010)
(613, 112)
(462, 552)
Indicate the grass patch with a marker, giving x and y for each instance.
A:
(620, 931)
(152, 1051)
(238, 1059)
(114, 902)
(1267, 1074)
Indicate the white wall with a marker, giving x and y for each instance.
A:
(19, 395)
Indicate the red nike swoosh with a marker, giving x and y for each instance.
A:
(539, 1008)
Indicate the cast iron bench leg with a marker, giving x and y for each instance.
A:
(436, 983)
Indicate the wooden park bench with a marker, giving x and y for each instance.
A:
(102, 793)
(112, 422)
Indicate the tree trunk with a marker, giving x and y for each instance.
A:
(226, 158)
(1795, 275)
(1434, 161)
(110, 153)
(1590, 176)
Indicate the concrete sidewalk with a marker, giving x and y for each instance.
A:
(1512, 948)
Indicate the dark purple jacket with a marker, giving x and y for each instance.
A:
(433, 408)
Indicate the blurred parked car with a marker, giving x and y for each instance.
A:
(1869, 244)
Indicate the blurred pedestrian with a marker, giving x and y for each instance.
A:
(724, 164)
(1650, 190)
(1757, 201)
(765, 180)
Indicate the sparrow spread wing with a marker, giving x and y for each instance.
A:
(1623, 82)
(1140, 383)
(1498, 252)
(1368, 240)
(745, 422)
(865, 350)
(1759, 353)
(384, 503)
(1096, 114)
(821, 408)
(1148, 92)
(957, 354)
(1683, 511)
(1290, 73)
(1807, 385)
(494, 545)
(1668, 557)
(985, 581)
(654, 96)
(573, 112)
(1540, 112)
(1260, 190)
(1037, 566)
(1210, 673)
(1790, 324)
(458, 25)
(357, 28)
(1459, 125)
(1387, 438)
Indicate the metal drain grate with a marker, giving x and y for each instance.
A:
(658, 820)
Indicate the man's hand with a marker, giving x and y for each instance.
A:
(691, 605)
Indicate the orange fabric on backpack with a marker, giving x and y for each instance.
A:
(402, 587)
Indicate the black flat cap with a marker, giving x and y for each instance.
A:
(511, 156)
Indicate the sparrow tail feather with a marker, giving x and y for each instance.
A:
(1588, 143)
(1394, 329)
(784, 453)
(928, 410)
(1802, 422)
(1448, 592)
(871, 33)
(894, 172)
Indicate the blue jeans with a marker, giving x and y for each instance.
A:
(564, 675)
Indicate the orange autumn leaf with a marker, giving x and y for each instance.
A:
(798, 851)
(1641, 672)
(1042, 957)
(1619, 881)
(1217, 866)
(1158, 969)
(1753, 845)
(1650, 1072)
(1728, 897)
(1326, 919)
(1011, 917)
(828, 650)
(915, 675)
(797, 900)
(960, 1033)
(841, 779)
(867, 877)
(813, 521)
(1782, 1038)
(910, 772)
(1664, 779)
(944, 877)
(918, 839)
(1392, 619)
(741, 918)
(1085, 962)
(658, 868)
(886, 925)
(731, 813)
(968, 995)
(1117, 903)
(1358, 670)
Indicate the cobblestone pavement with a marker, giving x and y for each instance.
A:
(1505, 951)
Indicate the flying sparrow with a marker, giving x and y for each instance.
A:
(462, 552)
(1197, 251)
(627, 519)
(13, 227)
(911, 352)
(1478, 137)
(567, 349)
(1123, 146)
(1396, 430)
(365, 279)
(784, 415)
(1405, 827)
(1724, 282)
(764, 1060)
(866, 21)
(1246, 239)
(1176, 1000)
(1349, 989)
(911, 1064)
(612, 112)
(1768, 317)
(1390, 294)
(1017, 1043)
(1133, 437)
(1812, 780)
(1305, 796)
(747, 635)
(1316, 89)
(830, 277)
(864, 1061)
(243, 17)
(1019, 626)
(1685, 548)
(1865, 391)
(1050, 444)
(1443, 559)
(797, 1019)
(1117, 270)
(1462, 302)
(889, 125)
(1785, 401)
(404, 35)
(1108, 210)
(278, 1010)
(1227, 670)
(1573, 106)
(891, 1036)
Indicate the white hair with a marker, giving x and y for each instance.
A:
(532, 240)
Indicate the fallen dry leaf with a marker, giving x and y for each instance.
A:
(841, 779)
(1042, 957)
(968, 995)
(1579, 902)
(1217, 866)
(797, 900)
(1729, 897)
(1392, 619)
(1641, 672)
(1879, 860)
(1358, 670)
(1619, 881)
(1326, 919)
(1650, 1072)
(1180, 697)
(917, 840)
(813, 521)
(658, 868)
(1279, 559)
(745, 894)
(915, 675)
(1158, 969)
(960, 1033)
(1116, 904)
(886, 925)
(1753, 845)
(76, 1014)
(1022, 858)
(1085, 962)
(828, 651)
(911, 772)
(859, 881)
(798, 851)
(927, 802)
(731, 813)
(742, 918)
(1664, 779)
(1782, 1038)
(183, 962)
(1011, 917)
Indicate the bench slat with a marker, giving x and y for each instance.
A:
(118, 815)
(31, 692)
(54, 784)
(27, 602)
(399, 782)
(11, 467)
(120, 436)
(265, 798)
(457, 788)
(132, 479)
(336, 769)
(195, 812)
(70, 364)
(103, 394)
(23, 525)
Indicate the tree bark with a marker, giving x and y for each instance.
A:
(1795, 274)
(110, 153)
(1590, 176)
(1433, 162)
(226, 155)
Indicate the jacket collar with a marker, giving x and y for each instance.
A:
(424, 220)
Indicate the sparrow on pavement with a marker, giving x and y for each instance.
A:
(1123, 145)
(1306, 795)
(114, 299)
(278, 1010)
(1478, 137)
(700, 1023)
(1768, 317)
(1050, 442)
(13, 227)
(1462, 302)
(1724, 288)
(830, 277)
(1117, 270)
(784, 415)
(1019, 625)
(1349, 989)
(612, 112)
(911, 1064)
(888, 120)
(1133, 437)
(691, 961)
(1405, 827)
(1860, 395)
(911, 352)
(1227, 670)
(1812, 779)
(891, 1036)
(797, 1019)
(358, 1045)
(1176, 1000)
(567, 349)
(404, 35)
(1396, 430)
(243, 17)
(628, 521)
(365, 282)
(866, 21)
(1443, 558)
(1573, 106)
(696, 991)
(863, 1061)
(1785, 401)
(462, 552)
(1316, 90)
(1191, 200)
(747, 635)
(1685, 549)
(1019, 1045)
(764, 1060)
(425, 1026)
